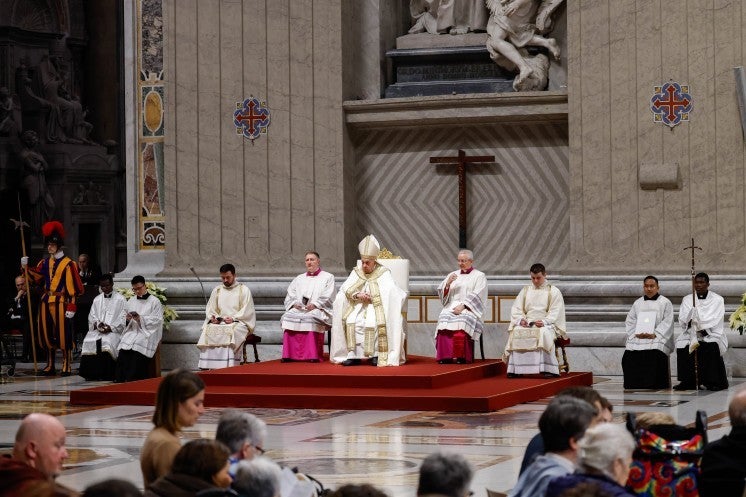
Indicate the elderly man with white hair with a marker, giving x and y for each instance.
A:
(604, 458)
(367, 320)
(463, 294)
(257, 477)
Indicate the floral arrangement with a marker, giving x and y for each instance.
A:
(169, 314)
(738, 318)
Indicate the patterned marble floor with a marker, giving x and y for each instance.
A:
(379, 447)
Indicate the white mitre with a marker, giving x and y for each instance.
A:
(369, 247)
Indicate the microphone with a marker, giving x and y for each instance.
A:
(204, 296)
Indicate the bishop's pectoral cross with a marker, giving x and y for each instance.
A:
(461, 161)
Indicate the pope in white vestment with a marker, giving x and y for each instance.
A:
(463, 294)
(537, 319)
(701, 317)
(649, 327)
(367, 320)
(308, 313)
(229, 318)
(106, 322)
(142, 334)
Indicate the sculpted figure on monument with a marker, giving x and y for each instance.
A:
(456, 17)
(515, 25)
(66, 122)
(34, 180)
(10, 113)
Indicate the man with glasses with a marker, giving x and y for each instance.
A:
(142, 333)
(243, 434)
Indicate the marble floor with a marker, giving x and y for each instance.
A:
(337, 447)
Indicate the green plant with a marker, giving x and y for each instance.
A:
(169, 314)
(738, 318)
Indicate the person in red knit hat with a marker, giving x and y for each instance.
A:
(59, 278)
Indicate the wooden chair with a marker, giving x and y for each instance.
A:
(251, 339)
(560, 344)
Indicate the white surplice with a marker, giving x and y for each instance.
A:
(363, 323)
(467, 289)
(225, 351)
(707, 319)
(304, 290)
(108, 311)
(143, 337)
(663, 327)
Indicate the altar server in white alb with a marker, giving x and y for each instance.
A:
(229, 318)
(537, 319)
(703, 338)
(142, 334)
(649, 327)
(106, 322)
(463, 294)
(308, 313)
(368, 321)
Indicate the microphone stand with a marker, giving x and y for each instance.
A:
(204, 295)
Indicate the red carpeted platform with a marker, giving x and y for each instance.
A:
(419, 385)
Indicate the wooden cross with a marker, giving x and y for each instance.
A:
(461, 161)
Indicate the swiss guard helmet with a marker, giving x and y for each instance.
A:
(53, 233)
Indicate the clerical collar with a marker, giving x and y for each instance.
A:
(315, 273)
(108, 295)
(143, 297)
(467, 271)
(703, 296)
(654, 297)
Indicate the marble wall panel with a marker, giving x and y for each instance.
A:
(517, 208)
(258, 204)
(618, 50)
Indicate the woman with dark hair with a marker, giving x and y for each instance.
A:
(199, 468)
(179, 404)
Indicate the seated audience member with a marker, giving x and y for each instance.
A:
(368, 322)
(112, 487)
(449, 475)
(243, 434)
(562, 425)
(17, 317)
(257, 477)
(200, 467)
(179, 403)
(724, 461)
(537, 319)
(463, 294)
(308, 313)
(649, 327)
(361, 490)
(535, 447)
(229, 318)
(38, 453)
(604, 458)
(142, 333)
(106, 322)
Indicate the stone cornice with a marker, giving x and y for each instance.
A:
(444, 110)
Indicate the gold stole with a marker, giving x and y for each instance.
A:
(369, 333)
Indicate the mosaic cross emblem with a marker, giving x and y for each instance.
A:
(251, 118)
(671, 103)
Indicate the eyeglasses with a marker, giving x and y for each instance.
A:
(261, 451)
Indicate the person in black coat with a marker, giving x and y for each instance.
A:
(724, 461)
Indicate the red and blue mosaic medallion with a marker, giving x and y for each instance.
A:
(251, 118)
(671, 103)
